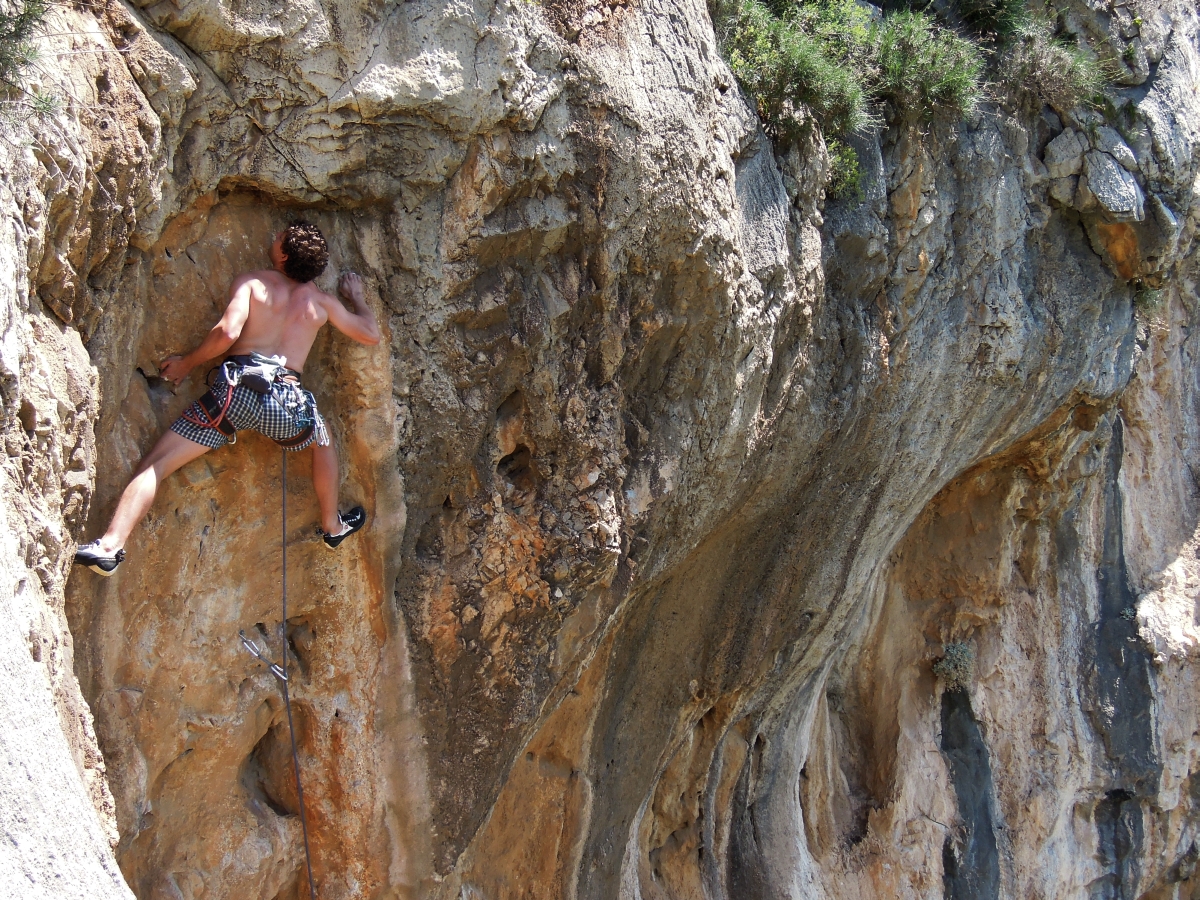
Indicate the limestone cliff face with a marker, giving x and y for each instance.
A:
(680, 479)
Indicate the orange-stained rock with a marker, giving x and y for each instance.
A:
(1121, 244)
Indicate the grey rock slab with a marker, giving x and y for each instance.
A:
(51, 844)
(1107, 140)
(1064, 154)
(1113, 188)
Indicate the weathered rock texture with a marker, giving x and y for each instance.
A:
(680, 480)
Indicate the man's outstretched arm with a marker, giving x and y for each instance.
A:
(219, 339)
(359, 325)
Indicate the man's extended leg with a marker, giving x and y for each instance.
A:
(325, 483)
(170, 453)
(335, 526)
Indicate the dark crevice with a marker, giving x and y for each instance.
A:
(1120, 708)
(1118, 821)
(745, 870)
(970, 860)
(267, 775)
(519, 469)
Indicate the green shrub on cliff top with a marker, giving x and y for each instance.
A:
(786, 63)
(927, 68)
(831, 60)
(835, 57)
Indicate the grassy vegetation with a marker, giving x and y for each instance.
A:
(845, 173)
(1146, 298)
(991, 18)
(789, 60)
(954, 668)
(17, 52)
(1050, 68)
(839, 63)
(926, 68)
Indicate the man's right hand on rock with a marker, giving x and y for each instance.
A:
(350, 286)
(174, 369)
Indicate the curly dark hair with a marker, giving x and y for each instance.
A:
(306, 251)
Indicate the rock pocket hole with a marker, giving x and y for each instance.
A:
(302, 637)
(28, 417)
(267, 774)
(519, 469)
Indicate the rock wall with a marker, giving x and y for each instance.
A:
(680, 478)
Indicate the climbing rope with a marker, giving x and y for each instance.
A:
(280, 673)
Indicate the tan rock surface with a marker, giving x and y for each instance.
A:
(680, 480)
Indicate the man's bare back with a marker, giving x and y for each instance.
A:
(284, 318)
(271, 314)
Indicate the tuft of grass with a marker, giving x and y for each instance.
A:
(928, 69)
(785, 64)
(845, 173)
(1051, 68)
(17, 52)
(955, 666)
(45, 106)
(992, 18)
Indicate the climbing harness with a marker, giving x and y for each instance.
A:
(281, 674)
(300, 403)
(212, 413)
(262, 375)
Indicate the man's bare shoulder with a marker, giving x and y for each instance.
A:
(310, 291)
(263, 276)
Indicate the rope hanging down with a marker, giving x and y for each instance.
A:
(280, 673)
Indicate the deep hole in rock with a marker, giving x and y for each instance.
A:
(267, 774)
(301, 637)
(28, 417)
(519, 469)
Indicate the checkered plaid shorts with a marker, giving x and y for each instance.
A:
(281, 414)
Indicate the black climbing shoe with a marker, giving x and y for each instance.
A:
(351, 522)
(97, 560)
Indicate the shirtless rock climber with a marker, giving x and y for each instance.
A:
(265, 335)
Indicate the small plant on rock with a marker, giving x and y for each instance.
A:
(1146, 298)
(955, 666)
(845, 173)
(1049, 66)
(17, 52)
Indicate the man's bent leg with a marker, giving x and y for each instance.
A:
(170, 453)
(325, 483)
